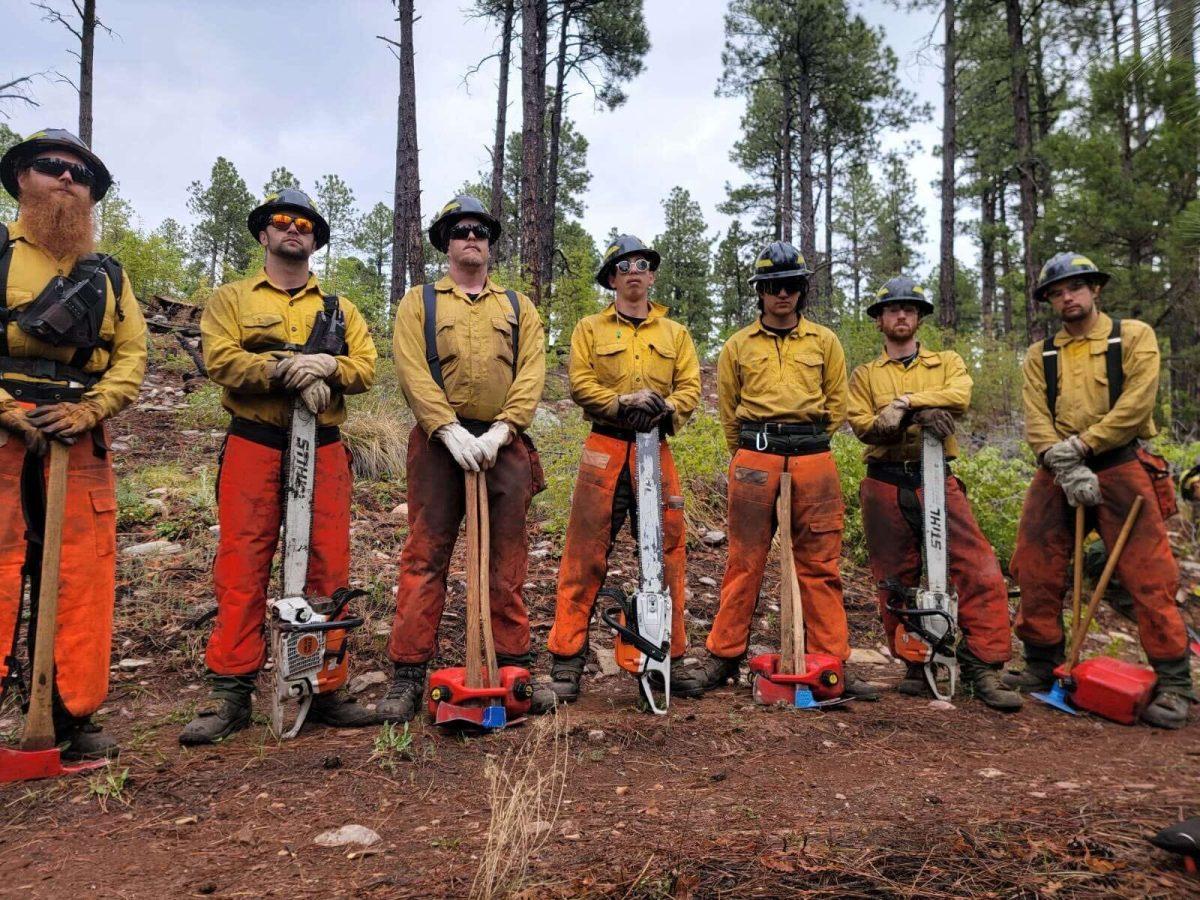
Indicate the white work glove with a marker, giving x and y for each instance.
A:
(1065, 454)
(1080, 484)
(492, 440)
(297, 372)
(317, 397)
(463, 446)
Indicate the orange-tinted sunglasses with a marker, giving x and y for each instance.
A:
(283, 222)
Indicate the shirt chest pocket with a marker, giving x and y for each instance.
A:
(447, 340)
(502, 338)
(261, 331)
(1098, 369)
(660, 365)
(610, 362)
(17, 298)
(805, 370)
(760, 374)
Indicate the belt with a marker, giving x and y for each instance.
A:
(275, 437)
(783, 438)
(901, 474)
(621, 434)
(39, 392)
(477, 427)
(809, 428)
(1109, 458)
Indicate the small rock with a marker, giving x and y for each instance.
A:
(347, 834)
(706, 581)
(990, 773)
(759, 649)
(360, 683)
(130, 664)
(544, 545)
(1067, 785)
(215, 529)
(333, 761)
(622, 790)
(543, 418)
(401, 511)
(155, 505)
(118, 446)
(839, 796)
(538, 827)
(153, 548)
(596, 735)
(1041, 795)
(863, 656)
(941, 704)
(539, 554)
(713, 537)
(158, 492)
(606, 660)
(187, 820)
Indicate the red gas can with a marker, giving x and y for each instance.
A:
(1112, 688)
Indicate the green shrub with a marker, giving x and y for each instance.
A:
(560, 444)
(848, 454)
(996, 487)
(203, 409)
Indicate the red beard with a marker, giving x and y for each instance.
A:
(57, 220)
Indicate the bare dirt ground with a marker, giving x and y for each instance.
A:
(718, 799)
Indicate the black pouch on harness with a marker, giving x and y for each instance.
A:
(70, 309)
(328, 333)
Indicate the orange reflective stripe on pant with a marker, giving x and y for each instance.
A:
(590, 534)
(87, 576)
(249, 510)
(436, 506)
(894, 545)
(1042, 561)
(817, 518)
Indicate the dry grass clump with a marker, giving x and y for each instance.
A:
(525, 791)
(376, 430)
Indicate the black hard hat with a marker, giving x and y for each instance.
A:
(624, 245)
(900, 289)
(289, 200)
(1063, 266)
(779, 259)
(48, 139)
(459, 208)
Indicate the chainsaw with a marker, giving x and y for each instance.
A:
(928, 633)
(298, 624)
(643, 624)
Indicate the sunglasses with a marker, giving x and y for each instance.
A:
(462, 232)
(624, 266)
(283, 222)
(782, 286)
(54, 167)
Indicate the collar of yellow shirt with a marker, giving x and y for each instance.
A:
(1098, 332)
(803, 327)
(18, 232)
(262, 279)
(447, 285)
(657, 311)
(925, 357)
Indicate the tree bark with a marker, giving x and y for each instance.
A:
(777, 183)
(533, 136)
(787, 177)
(1005, 258)
(808, 238)
(1041, 118)
(947, 298)
(87, 49)
(550, 201)
(497, 204)
(987, 256)
(407, 248)
(826, 280)
(1139, 89)
(1019, 91)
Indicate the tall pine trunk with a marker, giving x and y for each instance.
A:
(947, 298)
(533, 138)
(87, 49)
(408, 263)
(1006, 262)
(826, 281)
(550, 201)
(987, 256)
(808, 238)
(787, 177)
(497, 204)
(1026, 180)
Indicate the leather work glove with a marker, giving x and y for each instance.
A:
(938, 421)
(641, 410)
(66, 421)
(1080, 484)
(463, 446)
(888, 426)
(1065, 454)
(493, 439)
(317, 397)
(298, 372)
(14, 420)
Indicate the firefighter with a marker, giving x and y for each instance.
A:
(470, 358)
(632, 369)
(906, 389)
(1088, 393)
(64, 370)
(781, 393)
(266, 339)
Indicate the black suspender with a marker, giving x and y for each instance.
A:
(1114, 369)
(429, 297)
(6, 256)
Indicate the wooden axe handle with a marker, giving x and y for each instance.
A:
(485, 591)
(474, 660)
(1077, 586)
(787, 597)
(39, 721)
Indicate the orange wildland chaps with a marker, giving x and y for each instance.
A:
(817, 516)
(436, 506)
(894, 542)
(1042, 560)
(87, 576)
(594, 524)
(249, 509)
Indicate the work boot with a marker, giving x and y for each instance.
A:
(711, 672)
(85, 740)
(1038, 674)
(338, 710)
(225, 711)
(985, 682)
(565, 674)
(404, 697)
(1167, 710)
(543, 699)
(857, 689)
(913, 684)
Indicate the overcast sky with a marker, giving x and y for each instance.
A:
(307, 85)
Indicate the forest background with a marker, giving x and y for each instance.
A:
(960, 142)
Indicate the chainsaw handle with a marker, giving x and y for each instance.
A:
(347, 624)
(658, 654)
